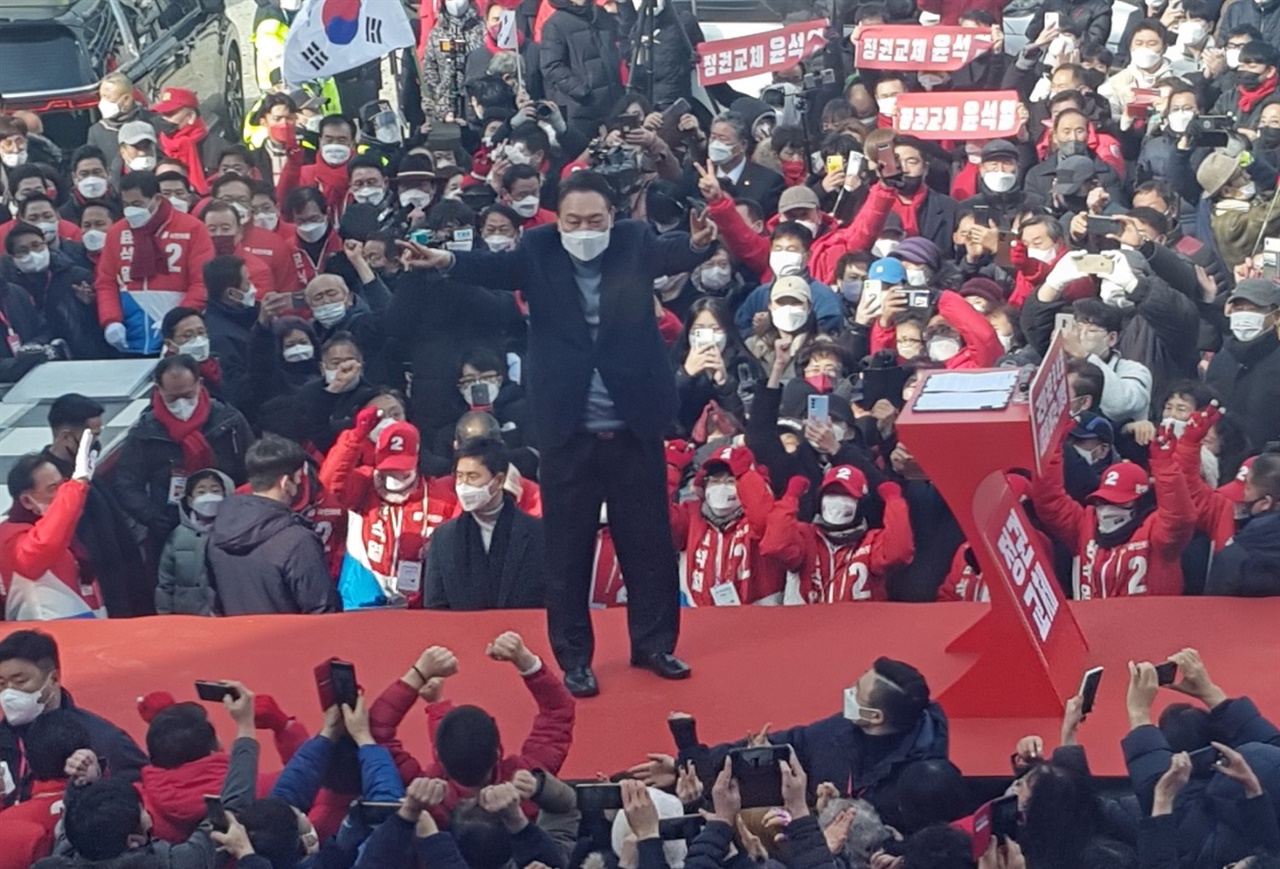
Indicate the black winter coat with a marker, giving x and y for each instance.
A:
(149, 460)
(65, 316)
(228, 327)
(1246, 377)
(1250, 565)
(264, 558)
(461, 576)
(323, 414)
(675, 34)
(20, 323)
(579, 60)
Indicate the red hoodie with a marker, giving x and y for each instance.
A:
(175, 797)
(981, 344)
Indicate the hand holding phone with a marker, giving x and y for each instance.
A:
(820, 408)
(215, 813)
(1166, 673)
(1089, 689)
(214, 692)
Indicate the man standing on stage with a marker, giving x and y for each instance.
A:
(603, 394)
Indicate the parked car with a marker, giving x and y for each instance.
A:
(53, 53)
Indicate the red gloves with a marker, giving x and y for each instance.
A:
(267, 714)
(1201, 421)
(367, 420)
(740, 460)
(679, 454)
(796, 487)
(889, 489)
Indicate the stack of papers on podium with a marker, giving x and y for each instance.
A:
(961, 390)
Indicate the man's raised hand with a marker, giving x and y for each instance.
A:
(418, 256)
(509, 646)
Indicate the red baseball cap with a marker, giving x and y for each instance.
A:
(1121, 483)
(172, 99)
(397, 448)
(1234, 489)
(846, 477)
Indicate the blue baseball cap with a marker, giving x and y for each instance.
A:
(889, 270)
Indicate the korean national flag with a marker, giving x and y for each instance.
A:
(332, 36)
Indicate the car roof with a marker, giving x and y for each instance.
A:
(34, 9)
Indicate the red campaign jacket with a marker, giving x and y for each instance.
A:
(186, 246)
(391, 534)
(752, 248)
(540, 217)
(175, 797)
(833, 572)
(27, 829)
(981, 344)
(278, 256)
(1149, 562)
(728, 556)
(1105, 145)
(607, 587)
(40, 576)
(1215, 512)
(860, 234)
(963, 582)
(545, 748)
(332, 180)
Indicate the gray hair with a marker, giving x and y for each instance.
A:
(866, 833)
(503, 63)
(739, 124)
(120, 80)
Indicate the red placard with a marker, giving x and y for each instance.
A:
(742, 56)
(911, 47)
(1050, 402)
(958, 115)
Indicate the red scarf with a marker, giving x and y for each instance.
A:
(148, 258)
(211, 372)
(906, 211)
(184, 145)
(1249, 98)
(793, 172)
(196, 452)
(333, 182)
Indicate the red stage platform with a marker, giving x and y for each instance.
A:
(752, 666)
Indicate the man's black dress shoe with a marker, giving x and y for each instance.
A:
(665, 664)
(581, 682)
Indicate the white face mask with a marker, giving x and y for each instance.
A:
(370, 195)
(517, 155)
(17, 158)
(415, 198)
(719, 152)
(21, 707)
(486, 395)
(207, 504)
(383, 425)
(887, 105)
(1146, 58)
(810, 225)
(1247, 325)
(398, 484)
(299, 353)
(108, 109)
(704, 335)
(180, 203)
(1180, 119)
(1112, 517)
(789, 318)
(1177, 426)
(472, 498)
(884, 246)
(853, 711)
(999, 182)
(584, 245)
(92, 187)
(456, 8)
(916, 278)
(331, 375)
(197, 348)
(182, 408)
(1233, 58)
(526, 206)
(942, 349)
(1247, 192)
(93, 239)
(838, 510)
(49, 228)
(313, 231)
(142, 163)
(334, 154)
(715, 277)
(1085, 454)
(33, 262)
(327, 315)
(722, 498)
(1192, 32)
(1043, 254)
(136, 215)
(498, 243)
(786, 262)
(268, 221)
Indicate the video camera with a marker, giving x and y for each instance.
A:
(620, 165)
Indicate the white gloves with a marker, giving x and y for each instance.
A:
(86, 456)
(1122, 274)
(1064, 271)
(116, 336)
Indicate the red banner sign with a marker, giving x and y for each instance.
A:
(910, 47)
(1049, 399)
(726, 59)
(958, 114)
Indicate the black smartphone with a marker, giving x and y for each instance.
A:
(982, 215)
(1089, 689)
(342, 675)
(1004, 818)
(918, 299)
(623, 123)
(598, 796)
(372, 813)
(215, 813)
(683, 827)
(1166, 673)
(213, 692)
(758, 774)
(671, 116)
(1203, 760)
(1098, 225)
(479, 395)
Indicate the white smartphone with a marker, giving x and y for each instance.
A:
(820, 408)
(1050, 20)
(873, 290)
(853, 165)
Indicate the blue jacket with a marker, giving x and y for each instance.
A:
(826, 307)
(300, 778)
(392, 846)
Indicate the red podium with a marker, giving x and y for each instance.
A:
(1030, 651)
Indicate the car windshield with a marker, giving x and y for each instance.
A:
(39, 58)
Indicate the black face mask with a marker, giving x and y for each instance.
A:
(1072, 149)
(1094, 78)
(1247, 79)
(1269, 137)
(911, 183)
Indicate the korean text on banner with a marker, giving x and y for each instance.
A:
(912, 47)
(1049, 399)
(742, 56)
(332, 36)
(958, 115)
